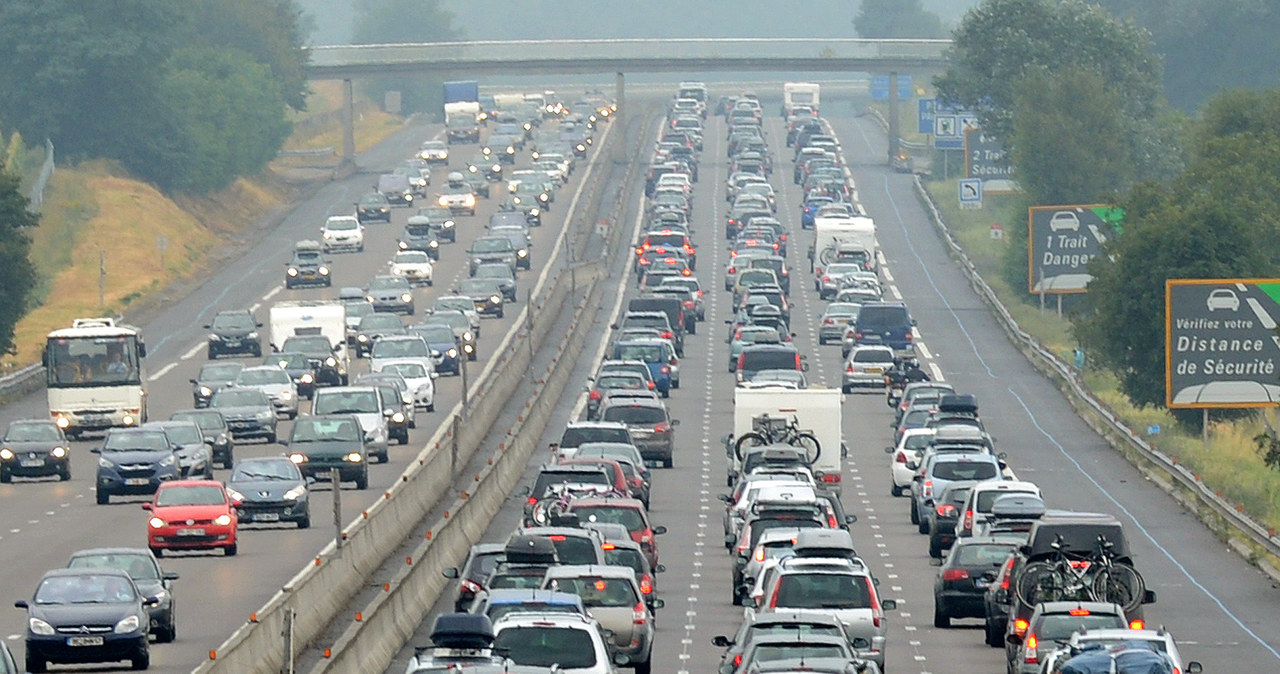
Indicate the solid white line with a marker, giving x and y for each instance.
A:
(192, 353)
(254, 307)
(924, 351)
(162, 371)
(885, 270)
(272, 293)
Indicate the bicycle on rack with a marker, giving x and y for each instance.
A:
(1094, 577)
(767, 430)
(555, 501)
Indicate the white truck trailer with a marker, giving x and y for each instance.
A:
(815, 410)
(307, 318)
(462, 122)
(834, 235)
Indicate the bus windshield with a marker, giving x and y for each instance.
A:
(92, 361)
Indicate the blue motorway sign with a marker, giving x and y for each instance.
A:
(945, 123)
(1221, 347)
(880, 87)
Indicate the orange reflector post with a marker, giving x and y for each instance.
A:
(213, 655)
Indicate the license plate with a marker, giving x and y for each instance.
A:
(32, 463)
(874, 370)
(84, 641)
(190, 532)
(94, 418)
(979, 583)
(266, 517)
(137, 481)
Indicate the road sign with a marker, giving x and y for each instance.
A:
(985, 158)
(947, 134)
(1060, 241)
(1221, 345)
(971, 193)
(880, 87)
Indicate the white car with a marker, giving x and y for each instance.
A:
(342, 232)
(414, 266)
(1159, 640)
(575, 642)
(434, 151)
(275, 383)
(420, 378)
(908, 452)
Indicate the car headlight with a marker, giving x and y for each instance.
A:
(286, 395)
(127, 625)
(38, 626)
(292, 271)
(495, 299)
(448, 224)
(536, 155)
(402, 245)
(535, 212)
(324, 271)
(306, 378)
(6, 454)
(471, 200)
(468, 348)
(406, 297)
(396, 271)
(369, 299)
(222, 520)
(327, 235)
(298, 458)
(453, 353)
(467, 336)
(544, 197)
(528, 126)
(434, 244)
(472, 169)
(331, 361)
(57, 452)
(215, 337)
(443, 201)
(515, 200)
(295, 493)
(496, 168)
(169, 460)
(106, 463)
(254, 335)
(156, 523)
(362, 338)
(511, 149)
(398, 417)
(235, 496)
(580, 147)
(353, 457)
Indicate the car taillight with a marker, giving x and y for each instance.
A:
(828, 321)
(558, 538)
(470, 587)
(798, 366)
(608, 546)
(1020, 626)
(737, 660)
(650, 385)
(665, 369)
(595, 395)
(951, 575)
(968, 520)
(1137, 625)
(667, 335)
(639, 614)
(900, 458)
(760, 554)
(928, 488)
(831, 477)
(661, 428)
(946, 510)
(877, 614)
(732, 270)
(646, 584)
(532, 500)
(857, 334)
(1030, 656)
(849, 368)
(908, 335)
(688, 304)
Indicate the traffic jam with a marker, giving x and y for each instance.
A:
(576, 586)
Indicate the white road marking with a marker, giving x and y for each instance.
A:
(162, 372)
(885, 270)
(896, 295)
(924, 351)
(272, 293)
(937, 372)
(192, 352)
(254, 307)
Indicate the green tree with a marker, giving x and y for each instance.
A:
(897, 19)
(15, 156)
(17, 274)
(400, 21)
(209, 92)
(272, 31)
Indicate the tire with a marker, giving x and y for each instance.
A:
(935, 548)
(305, 523)
(6, 477)
(1121, 584)
(104, 498)
(64, 474)
(271, 438)
(922, 525)
(940, 619)
(431, 407)
(231, 550)
(992, 637)
(362, 482)
(213, 355)
(812, 448)
(1039, 581)
(895, 490)
(158, 552)
(167, 633)
(403, 440)
(748, 440)
(667, 462)
(645, 667)
(915, 514)
(292, 415)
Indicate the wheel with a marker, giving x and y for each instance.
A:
(915, 514)
(1040, 581)
(645, 667)
(293, 415)
(935, 548)
(812, 448)
(403, 439)
(305, 523)
(994, 638)
(103, 497)
(940, 618)
(213, 355)
(895, 490)
(501, 313)
(846, 389)
(231, 550)
(35, 664)
(667, 462)
(362, 482)
(6, 477)
(167, 633)
(158, 552)
(1120, 584)
(431, 407)
(271, 438)
(923, 525)
(746, 441)
(64, 474)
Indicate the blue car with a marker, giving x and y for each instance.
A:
(440, 339)
(133, 462)
(810, 209)
(659, 355)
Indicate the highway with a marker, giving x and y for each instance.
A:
(1222, 610)
(43, 522)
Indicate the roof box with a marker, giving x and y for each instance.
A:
(1018, 506)
(824, 543)
(958, 402)
(530, 550)
(462, 630)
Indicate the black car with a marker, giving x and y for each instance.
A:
(234, 332)
(373, 206)
(270, 489)
(441, 221)
(195, 456)
(374, 327)
(967, 572)
(299, 369)
(944, 514)
(320, 353)
(486, 293)
(213, 377)
(322, 443)
(134, 461)
(34, 448)
(87, 615)
(307, 267)
(147, 576)
(249, 413)
(217, 434)
(420, 235)
(485, 166)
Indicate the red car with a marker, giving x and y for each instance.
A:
(628, 512)
(191, 515)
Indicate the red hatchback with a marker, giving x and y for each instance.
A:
(628, 512)
(191, 515)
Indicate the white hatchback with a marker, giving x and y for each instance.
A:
(414, 266)
(342, 232)
(907, 453)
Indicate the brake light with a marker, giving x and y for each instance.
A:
(732, 270)
(857, 334)
(595, 395)
(607, 546)
(469, 587)
(646, 584)
(667, 335)
(908, 335)
(968, 520)
(737, 660)
(760, 553)
(688, 304)
(1020, 626)
(831, 522)
(877, 614)
(557, 538)
(849, 368)
(773, 599)
(945, 510)
(798, 361)
(900, 458)
(951, 575)
(532, 500)
(1137, 625)
(831, 477)
(661, 428)
(1030, 655)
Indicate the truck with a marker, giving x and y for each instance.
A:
(462, 122)
(800, 93)
(461, 91)
(815, 410)
(838, 238)
(307, 318)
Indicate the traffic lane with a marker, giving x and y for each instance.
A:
(235, 600)
(1207, 595)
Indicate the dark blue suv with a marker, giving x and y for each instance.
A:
(134, 461)
(887, 323)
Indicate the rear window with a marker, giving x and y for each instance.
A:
(823, 590)
(574, 437)
(798, 651)
(548, 478)
(770, 360)
(649, 353)
(627, 517)
(575, 550)
(964, 470)
(872, 356)
(596, 591)
(544, 646)
(983, 555)
(988, 498)
(514, 582)
(635, 415)
(1060, 626)
(883, 316)
(676, 240)
(629, 557)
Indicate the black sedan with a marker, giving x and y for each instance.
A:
(34, 448)
(270, 489)
(148, 577)
(486, 294)
(87, 615)
(944, 515)
(373, 206)
(964, 577)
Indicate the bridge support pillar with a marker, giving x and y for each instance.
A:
(620, 120)
(348, 125)
(894, 139)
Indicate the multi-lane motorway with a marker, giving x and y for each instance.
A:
(1221, 609)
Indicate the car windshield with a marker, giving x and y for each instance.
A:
(407, 370)
(435, 334)
(546, 646)
(649, 353)
(320, 430)
(138, 566)
(882, 316)
(769, 360)
(220, 372)
(463, 304)
(400, 348)
(32, 432)
(373, 200)
(262, 376)
(415, 229)
(85, 589)
(265, 469)
(631, 558)
(239, 398)
(206, 420)
(341, 224)
(1059, 627)
(184, 434)
(346, 402)
(388, 283)
(190, 495)
(233, 321)
(596, 591)
(621, 382)
(450, 319)
(478, 286)
(380, 322)
(964, 470)
(494, 271)
(637, 414)
(289, 361)
(822, 590)
(412, 257)
(491, 245)
(627, 517)
(132, 441)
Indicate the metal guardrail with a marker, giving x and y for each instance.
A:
(1258, 534)
(326, 151)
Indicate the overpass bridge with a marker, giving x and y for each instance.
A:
(620, 56)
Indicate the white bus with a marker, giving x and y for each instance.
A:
(94, 375)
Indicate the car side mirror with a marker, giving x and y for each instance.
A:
(169, 575)
(1194, 667)
(661, 568)
(804, 367)
(675, 422)
(525, 491)
(749, 602)
(1013, 639)
(729, 539)
(151, 602)
(657, 604)
(284, 442)
(850, 519)
(192, 381)
(888, 450)
(725, 497)
(1149, 597)
(146, 506)
(435, 375)
(451, 572)
(659, 530)
(208, 326)
(1002, 456)
(21, 603)
(889, 605)
(95, 450)
(721, 641)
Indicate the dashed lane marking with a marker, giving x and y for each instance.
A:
(191, 353)
(162, 372)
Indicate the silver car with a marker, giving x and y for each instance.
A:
(363, 402)
(612, 596)
(867, 366)
(834, 320)
(276, 383)
(390, 293)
